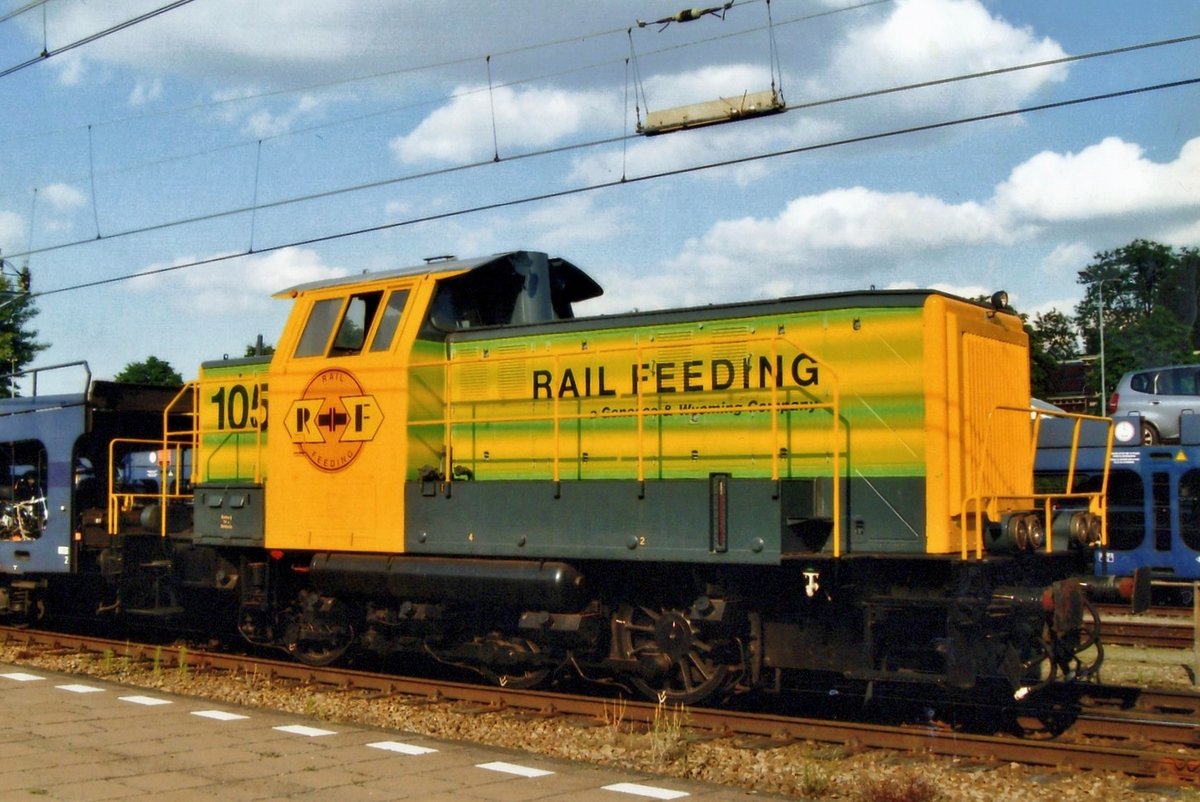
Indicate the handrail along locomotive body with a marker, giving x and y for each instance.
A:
(686, 502)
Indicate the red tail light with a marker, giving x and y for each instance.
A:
(1112, 404)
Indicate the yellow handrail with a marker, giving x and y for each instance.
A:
(980, 499)
(557, 416)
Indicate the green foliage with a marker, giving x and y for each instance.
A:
(152, 371)
(1052, 339)
(18, 342)
(1150, 296)
(906, 786)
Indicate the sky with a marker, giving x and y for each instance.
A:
(163, 180)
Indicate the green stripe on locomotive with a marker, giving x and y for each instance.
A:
(569, 405)
(232, 403)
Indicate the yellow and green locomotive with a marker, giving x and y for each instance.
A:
(688, 502)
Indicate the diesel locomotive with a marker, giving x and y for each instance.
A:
(447, 462)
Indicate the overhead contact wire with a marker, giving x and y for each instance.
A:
(47, 53)
(609, 140)
(624, 181)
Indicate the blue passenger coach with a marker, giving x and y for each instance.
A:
(1153, 516)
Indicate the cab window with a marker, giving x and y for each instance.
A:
(389, 321)
(356, 322)
(319, 325)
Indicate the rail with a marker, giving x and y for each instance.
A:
(647, 406)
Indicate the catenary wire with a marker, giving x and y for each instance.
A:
(421, 68)
(120, 26)
(583, 145)
(16, 12)
(637, 179)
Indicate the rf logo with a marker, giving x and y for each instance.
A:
(332, 419)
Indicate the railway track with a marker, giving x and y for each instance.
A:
(1141, 733)
(1161, 627)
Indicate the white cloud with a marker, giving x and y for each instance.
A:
(953, 288)
(396, 209)
(859, 219)
(70, 68)
(525, 118)
(224, 35)
(676, 151)
(1065, 306)
(1110, 179)
(145, 92)
(923, 40)
(242, 283)
(263, 124)
(62, 197)
(561, 224)
(856, 236)
(1066, 259)
(664, 91)
(12, 232)
(841, 238)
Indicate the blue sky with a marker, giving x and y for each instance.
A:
(132, 153)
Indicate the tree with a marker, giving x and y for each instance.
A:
(18, 342)
(1052, 341)
(259, 348)
(1148, 297)
(152, 371)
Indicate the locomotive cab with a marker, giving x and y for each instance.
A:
(349, 372)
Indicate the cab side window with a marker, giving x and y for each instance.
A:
(393, 310)
(348, 321)
(318, 327)
(356, 322)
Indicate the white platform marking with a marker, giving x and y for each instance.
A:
(18, 676)
(79, 688)
(404, 749)
(512, 768)
(646, 791)
(219, 715)
(149, 701)
(300, 729)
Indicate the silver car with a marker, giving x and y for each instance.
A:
(1160, 396)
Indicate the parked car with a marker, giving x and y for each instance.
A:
(1160, 396)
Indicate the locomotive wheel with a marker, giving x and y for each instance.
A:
(321, 633)
(677, 664)
(510, 651)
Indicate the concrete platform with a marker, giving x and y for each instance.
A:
(84, 740)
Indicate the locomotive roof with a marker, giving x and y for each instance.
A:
(580, 285)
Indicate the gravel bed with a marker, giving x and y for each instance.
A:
(806, 771)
